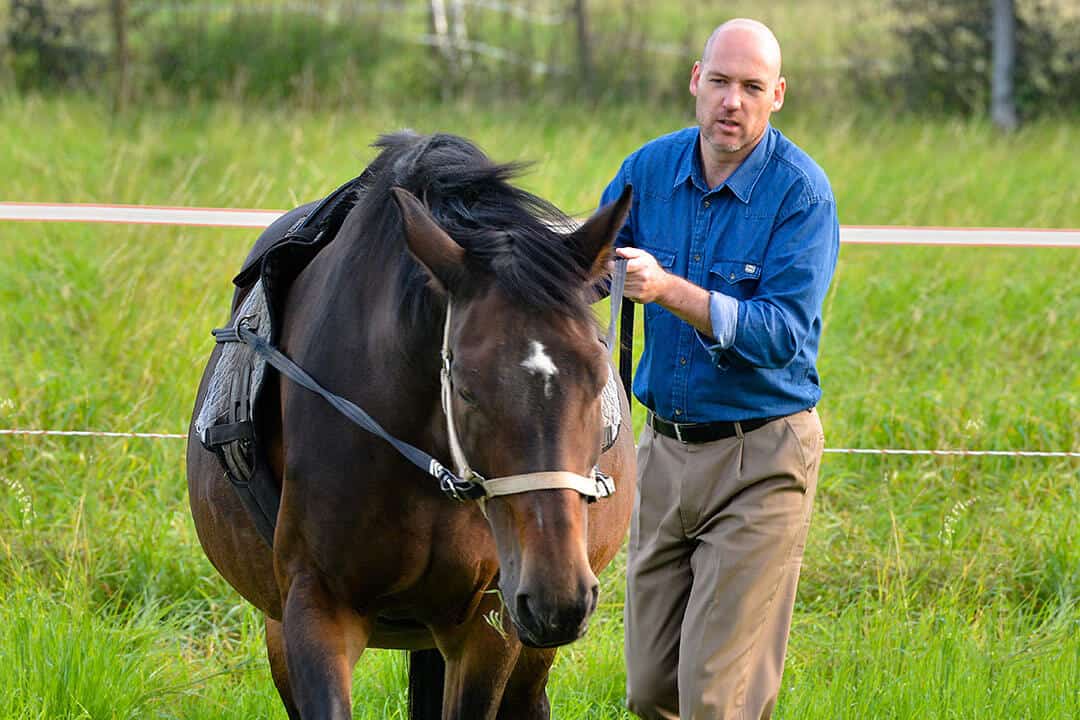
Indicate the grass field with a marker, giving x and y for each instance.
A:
(933, 587)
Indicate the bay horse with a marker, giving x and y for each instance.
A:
(367, 551)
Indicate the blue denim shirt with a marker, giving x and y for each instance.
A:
(767, 237)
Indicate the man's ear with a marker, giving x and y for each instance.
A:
(778, 95)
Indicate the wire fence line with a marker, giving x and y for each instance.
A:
(846, 451)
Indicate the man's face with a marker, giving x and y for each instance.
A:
(737, 86)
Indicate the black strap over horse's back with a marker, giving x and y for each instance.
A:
(285, 248)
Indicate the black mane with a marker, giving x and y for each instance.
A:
(509, 235)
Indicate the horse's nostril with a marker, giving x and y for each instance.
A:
(524, 612)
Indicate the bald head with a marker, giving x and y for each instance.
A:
(736, 86)
(744, 34)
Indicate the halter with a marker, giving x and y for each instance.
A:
(595, 485)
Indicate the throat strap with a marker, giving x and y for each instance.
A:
(457, 455)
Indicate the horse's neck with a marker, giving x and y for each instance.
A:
(398, 330)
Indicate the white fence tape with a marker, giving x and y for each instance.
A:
(226, 217)
(137, 214)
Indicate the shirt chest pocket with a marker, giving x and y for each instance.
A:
(736, 278)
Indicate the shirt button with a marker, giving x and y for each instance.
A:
(707, 203)
(678, 411)
(697, 258)
(682, 361)
(731, 276)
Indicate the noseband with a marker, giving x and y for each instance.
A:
(593, 486)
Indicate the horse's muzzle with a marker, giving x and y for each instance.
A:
(541, 623)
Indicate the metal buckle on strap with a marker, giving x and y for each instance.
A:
(605, 484)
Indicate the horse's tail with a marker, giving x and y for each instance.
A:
(427, 670)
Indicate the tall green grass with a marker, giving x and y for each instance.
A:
(932, 588)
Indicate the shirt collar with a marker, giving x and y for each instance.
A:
(742, 181)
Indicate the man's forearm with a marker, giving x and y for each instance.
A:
(688, 302)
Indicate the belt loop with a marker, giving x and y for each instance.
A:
(738, 430)
(678, 433)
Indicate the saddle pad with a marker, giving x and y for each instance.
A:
(238, 362)
(610, 412)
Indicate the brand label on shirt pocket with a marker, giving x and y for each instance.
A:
(735, 271)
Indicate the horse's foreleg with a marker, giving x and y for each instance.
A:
(525, 696)
(279, 669)
(478, 663)
(323, 640)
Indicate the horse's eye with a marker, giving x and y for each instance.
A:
(467, 396)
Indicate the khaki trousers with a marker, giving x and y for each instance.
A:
(716, 544)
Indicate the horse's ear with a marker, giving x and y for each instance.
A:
(442, 257)
(595, 238)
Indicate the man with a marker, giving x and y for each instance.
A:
(732, 240)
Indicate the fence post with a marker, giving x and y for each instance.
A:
(121, 59)
(584, 46)
(1002, 102)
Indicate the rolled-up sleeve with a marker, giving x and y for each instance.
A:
(774, 323)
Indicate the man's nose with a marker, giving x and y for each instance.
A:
(732, 99)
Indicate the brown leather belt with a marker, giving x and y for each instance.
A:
(704, 432)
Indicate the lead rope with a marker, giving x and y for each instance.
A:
(618, 286)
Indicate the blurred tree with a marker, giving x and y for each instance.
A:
(1007, 58)
(52, 44)
(584, 44)
(121, 58)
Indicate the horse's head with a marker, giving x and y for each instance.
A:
(523, 399)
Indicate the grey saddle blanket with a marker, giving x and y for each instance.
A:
(238, 375)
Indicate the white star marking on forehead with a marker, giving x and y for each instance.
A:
(540, 363)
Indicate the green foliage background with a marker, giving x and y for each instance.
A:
(932, 588)
(899, 55)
